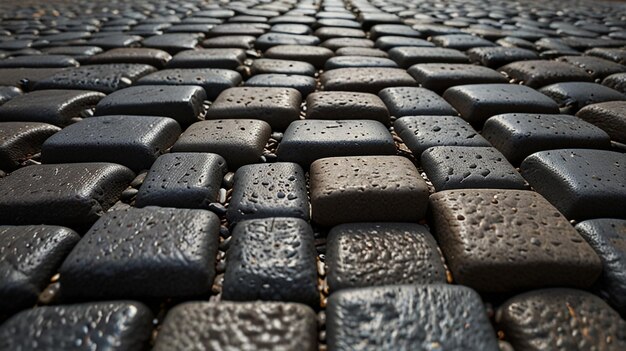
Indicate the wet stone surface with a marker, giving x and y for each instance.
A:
(346, 105)
(21, 140)
(410, 101)
(213, 80)
(608, 116)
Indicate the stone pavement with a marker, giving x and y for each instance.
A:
(312, 175)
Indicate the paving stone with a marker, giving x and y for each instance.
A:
(337, 43)
(152, 57)
(608, 116)
(366, 189)
(119, 325)
(405, 253)
(39, 61)
(422, 132)
(182, 103)
(304, 84)
(8, 92)
(269, 190)
(356, 51)
(473, 229)
(239, 325)
(413, 101)
(393, 30)
(230, 41)
(208, 58)
(370, 19)
(299, 29)
(314, 55)
(212, 80)
(271, 39)
(325, 33)
(133, 141)
(30, 256)
(358, 61)
(561, 319)
(615, 55)
(308, 140)
(55, 107)
(238, 141)
(182, 180)
(72, 195)
(616, 81)
(597, 67)
(431, 29)
(346, 105)
(292, 20)
(78, 53)
(173, 42)
(477, 102)
(440, 76)
(520, 135)
(21, 140)
(25, 78)
(495, 57)
(105, 78)
(460, 41)
(287, 272)
(572, 96)
(150, 252)
(581, 183)
(276, 106)
(235, 29)
(338, 22)
(407, 317)
(262, 66)
(539, 73)
(392, 41)
(367, 80)
(409, 56)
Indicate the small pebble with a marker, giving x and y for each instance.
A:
(225, 244)
(129, 194)
(278, 136)
(136, 183)
(217, 208)
(222, 196)
(227, 182)
(224, 232)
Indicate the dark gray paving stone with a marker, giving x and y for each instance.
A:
(608, 116)
(105, 78)
(581, 183)
(308, 140)
(467, 167)
(407, 56)
(276, 106)
(173, 42)
(338, 43)
(572, 96)
(304, 84)
(356, 51)
(151, 252)
(314, 55)
(409, 316)
(212, 80)
(8, 92)
(230, 41)
(208, 58)
(153, 57)
(25, 78)
(189, 28)
(495, 57)
(272, 39)
(539, 73)
(346, 105)
(120, 325)
(390, 42)
(133, 141)
(473, 229)
(242, 325)
(295, 19)
(39, 61)
(287, 272)
(55, 107)
(324, 33)
(235, 29)
(30, 256)
(21, 140)
(367, 80)
(432, 29)
(406, 253)
(300, 29)
(262, 66)
(578, 321)
(72, 195)
(184, 103)
(269, 190)
(366, 189)
(78, 53)
(115, 41)
(440, 76)
(515, 42)
(393, 30)
(616, 81)
(413, 101)
(597, 67)
(182, 180)
(477, 102)
(615, 55)
(461, 41)
(338, 22)
(519, 135)
(358, 61)
(370, 19)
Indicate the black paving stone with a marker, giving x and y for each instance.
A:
(72, 195)
(292, 20)
(413, 101)
(337, 43)
(151, 252)
(182, 180)
(271, 39)
(356, 51)
(597, 67)
(182, 103)
(520, 135)
(304, 84)
(119, 326)
(262, 66)
(358, 61)
(212, 80)
(608, 116)
(239, 325)
(208, 58)
(287, 272)
(314, 55)
(337, 32)
(115, 41)
(370, 19)
(21, 140)
(368, 80)
(79, 53)
(153, 57)
(8, 92)
(173, 42)
(430, 29)
(30, 256)
(616, 81)
(299, 29)
(269, 190)
(393, 30)
(133, 141)
(338, 22)
(495, 57)
(561, 319)
(346, 105)
(25, 78)
(539, 73)
(440, 76)
(474, 230)
(309, 140)
(460, 41)
(572, 96)
(235, 29)
(55, 107)
(366, 189)
(39, 61)
(276, 106)
(375, 254)
(392, 41)
(407, 56)
(464, 167)
(230, 41)
(581, 183)
(615, 55)
(477, 102)
(409, 316)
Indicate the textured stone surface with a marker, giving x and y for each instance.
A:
(144, 253)
(571, 96)
(21, 140)
(152, 57)
(315, 55)
(392, 41)
(364, 79)
(412, 101)
(262, 66)
(239, 326)
(213, 80)
(561, 319)
(174, 42)
(346, 105)
(408, 317)
(539, 73)
(515, 236)
(358, 61)
(616, 81)
(597, 67)
(304, 84)
(208, 58)
(608, 116)
(39, 61)
(440, 76)
(407, 56)
(460, 41)
(7, 93)
(367, 188)
(497, 56)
